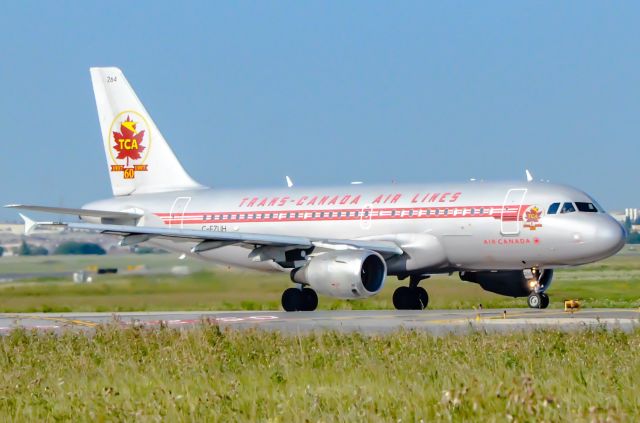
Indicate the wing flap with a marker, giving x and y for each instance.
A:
(230, 238)
(76, 212)
(196, 235)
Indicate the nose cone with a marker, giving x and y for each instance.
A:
(609, 237)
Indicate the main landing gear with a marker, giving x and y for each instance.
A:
(299, 299)
(412, 297)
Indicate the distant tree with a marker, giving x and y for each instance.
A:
(24, 249)
(79, 248)
(633, 238)
(31, 250)
(1, 251)
(39, 251)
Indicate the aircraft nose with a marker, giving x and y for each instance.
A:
(610, 236)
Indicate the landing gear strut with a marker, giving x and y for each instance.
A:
(412, 297)
(296, 299)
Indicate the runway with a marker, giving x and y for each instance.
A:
(437, 322)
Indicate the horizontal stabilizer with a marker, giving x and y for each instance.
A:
(76, 212)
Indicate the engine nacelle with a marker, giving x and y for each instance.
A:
(512, 283)
(345, 274)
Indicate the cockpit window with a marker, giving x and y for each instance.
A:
(567, 208)
(553, 209)
(586, 207)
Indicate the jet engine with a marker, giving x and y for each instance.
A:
(345, 274)
(512, 283)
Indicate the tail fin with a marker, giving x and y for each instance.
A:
(139, 158)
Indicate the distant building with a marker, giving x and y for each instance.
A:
(11, 228)
(619, 216)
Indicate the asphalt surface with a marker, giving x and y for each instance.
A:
(437, 322)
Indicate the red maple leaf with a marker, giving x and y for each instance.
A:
(128, 143)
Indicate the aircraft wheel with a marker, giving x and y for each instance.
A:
(545, 300)
(423, 298)
(535, 300)
(402, 298)
(293, 300)
(310, 299)
(406, 298)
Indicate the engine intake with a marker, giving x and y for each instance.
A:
(344, 274)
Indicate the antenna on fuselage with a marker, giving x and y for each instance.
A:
(529, 175)
(289, 182)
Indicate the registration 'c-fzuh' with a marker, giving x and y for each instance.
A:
(339, 241)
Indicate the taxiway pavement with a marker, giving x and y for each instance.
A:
(437, 322)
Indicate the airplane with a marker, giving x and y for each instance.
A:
(341, 242)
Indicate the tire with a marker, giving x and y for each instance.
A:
(292, 300)
(423, 298)
(534, 301)
(402, 298)
(545, 300)
(310, 299)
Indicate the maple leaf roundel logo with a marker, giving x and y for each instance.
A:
(532, 218)
(129, 143)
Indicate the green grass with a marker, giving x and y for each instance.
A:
(611, 283)
(210, 375)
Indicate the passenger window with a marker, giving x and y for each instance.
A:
(586, 207)
(567, 208)
(553, 209)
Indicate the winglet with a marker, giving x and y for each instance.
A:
(29, 224)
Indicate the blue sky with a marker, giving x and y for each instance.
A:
(328, 92)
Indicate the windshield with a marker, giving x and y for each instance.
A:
(586, 207)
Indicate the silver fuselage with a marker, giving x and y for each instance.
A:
(478, 225)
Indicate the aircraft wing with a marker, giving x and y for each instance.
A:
(76, 212)
(210, 240)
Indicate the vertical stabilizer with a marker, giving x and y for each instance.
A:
(139, 158)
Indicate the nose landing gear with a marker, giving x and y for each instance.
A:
(412, 297)
(539, 282)
(540, 300)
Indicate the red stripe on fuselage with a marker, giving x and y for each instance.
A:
(511, 213)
